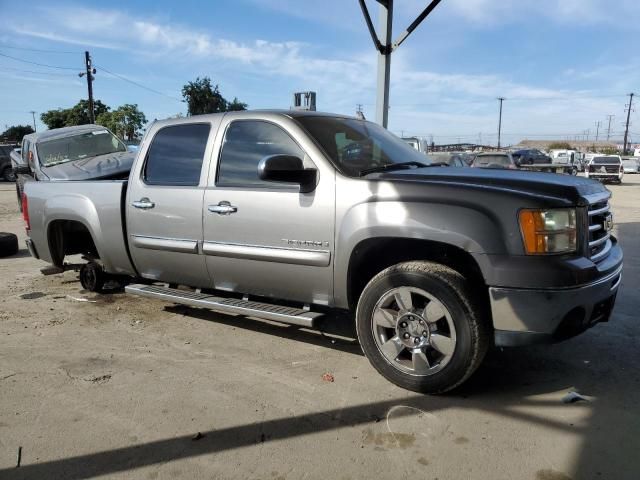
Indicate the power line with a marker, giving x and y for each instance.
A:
(36, 63)
(138, 84)
(40, 50)
(4, 67)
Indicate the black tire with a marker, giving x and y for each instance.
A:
(472, 329)
(92, 277)
(8, 175)
(8, 244)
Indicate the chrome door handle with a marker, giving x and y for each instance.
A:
(223, 208)
(143, 203)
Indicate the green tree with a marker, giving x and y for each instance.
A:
(202, 97)
(76, 115)
(560, 146)
(236, 105)
(54, 118)
(609, 151)
(125, 121)
(16, 132)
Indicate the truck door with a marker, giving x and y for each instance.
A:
(267, 238)
(164, 204)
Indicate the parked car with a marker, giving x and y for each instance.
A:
(6, 172)
(261, 214)
(83, 152)
(530, 157)
(494, 160)
(631, 165)
(605, 168)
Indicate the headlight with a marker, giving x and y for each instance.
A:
(548, 231)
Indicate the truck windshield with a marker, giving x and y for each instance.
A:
(78, 147)
(355, 146)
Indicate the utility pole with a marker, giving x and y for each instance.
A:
(610, 117)
(598, 123)
(385, 13)
(386, 47)
(89, 72)
(500, 120)
(33, 115)
(626, 129)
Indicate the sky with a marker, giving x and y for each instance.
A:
(561, 65)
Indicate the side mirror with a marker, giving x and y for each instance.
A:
(21, 169)
(288, 169)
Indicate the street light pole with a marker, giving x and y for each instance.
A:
(385, 47)
(500, 120)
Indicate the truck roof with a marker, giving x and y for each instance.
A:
(63, 132)
(253, 114)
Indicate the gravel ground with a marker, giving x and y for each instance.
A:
(113, 386)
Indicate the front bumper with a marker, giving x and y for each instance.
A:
(527, 316)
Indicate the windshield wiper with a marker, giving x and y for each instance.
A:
(392, 166)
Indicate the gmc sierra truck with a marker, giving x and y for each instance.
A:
(290, 216)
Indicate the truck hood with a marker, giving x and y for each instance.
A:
(110, 165)
(550, 185)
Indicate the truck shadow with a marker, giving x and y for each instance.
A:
(332, 331)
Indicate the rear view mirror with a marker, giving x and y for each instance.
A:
(287, 169)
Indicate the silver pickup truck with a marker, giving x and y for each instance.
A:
(291, 216)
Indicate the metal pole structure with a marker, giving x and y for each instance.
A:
(384, 64)
(500, 120)
(626, 128)
(33, 115)
(609, 127)
(385, 48)
(87, 61)
(598, 123)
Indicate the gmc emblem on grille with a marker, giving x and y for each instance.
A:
(608, 222)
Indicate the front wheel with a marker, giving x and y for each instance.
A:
(418, 327)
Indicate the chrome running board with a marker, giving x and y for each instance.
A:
(237, 306)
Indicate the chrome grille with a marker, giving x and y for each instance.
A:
(599, 236)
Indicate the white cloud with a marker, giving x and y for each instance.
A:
(422, 101)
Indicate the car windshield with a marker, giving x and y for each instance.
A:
(78, 147)
(605, 160)
(630, 163)
(355, 145)
(484, 160)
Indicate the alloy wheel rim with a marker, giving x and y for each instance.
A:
(414, 331)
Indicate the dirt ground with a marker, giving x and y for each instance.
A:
(113, 386)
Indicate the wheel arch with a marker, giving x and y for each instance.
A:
(70, 237)
(372, 255)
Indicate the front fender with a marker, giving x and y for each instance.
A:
(473, 230)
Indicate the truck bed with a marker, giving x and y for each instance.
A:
(96, 204)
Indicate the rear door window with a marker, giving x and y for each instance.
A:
(176, 154)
